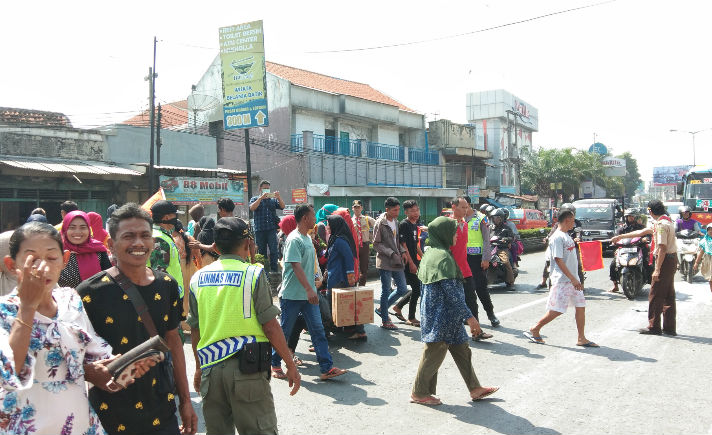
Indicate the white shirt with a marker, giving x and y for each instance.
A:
(394, 227)
(561, 245)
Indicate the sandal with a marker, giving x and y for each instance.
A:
(413, 322)
(278, 373)
(334, 372)
(428, 401)
(488, 392)
(358, 336)
(389, 325)
(297, 361)
(482, 336)
(398, 315)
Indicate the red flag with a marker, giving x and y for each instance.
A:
(153, 199)
(591, 255)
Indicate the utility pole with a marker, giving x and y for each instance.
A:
(152, 104)
(158, 137)
(248, 165)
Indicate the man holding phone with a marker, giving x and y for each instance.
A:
(264, 208)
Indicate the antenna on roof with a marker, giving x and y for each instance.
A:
(198, 102)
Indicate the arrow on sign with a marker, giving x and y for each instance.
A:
(260, 117)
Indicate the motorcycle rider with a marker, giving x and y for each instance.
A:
(500, 229)
(574, 235)
(630, 224)
(514, 249)
(685, 222)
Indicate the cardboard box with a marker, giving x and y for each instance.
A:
(352, 306)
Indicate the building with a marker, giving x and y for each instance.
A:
(504, 125)
(339, 140)
(44, 161)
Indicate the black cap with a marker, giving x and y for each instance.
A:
(162, 208)
(232, 228)
(357, 202)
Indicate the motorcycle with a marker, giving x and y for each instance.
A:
(632, 265)
(688, 242)
(496, 272)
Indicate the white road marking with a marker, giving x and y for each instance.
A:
(521, 307)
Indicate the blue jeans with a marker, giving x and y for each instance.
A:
(389, 298)
(263, 239)
(290, 311)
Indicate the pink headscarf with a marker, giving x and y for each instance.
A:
(97, 226)
(288, 224)
(86, 252)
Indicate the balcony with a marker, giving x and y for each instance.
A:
(362, 148)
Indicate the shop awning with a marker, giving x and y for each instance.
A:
(188, 168)
(64, 166)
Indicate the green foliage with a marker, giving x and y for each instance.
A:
(534, 232)
(259, 258)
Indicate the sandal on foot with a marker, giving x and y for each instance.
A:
(398, 315)
(482, 336)
(534, 338)
(428, 401)
(358, 336)
(413, 322)
(490, 391)
(389, 325)
(297, 361)
(278, 373)
(334, 372)
(588, 344)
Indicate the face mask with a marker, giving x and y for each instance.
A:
(173, 221)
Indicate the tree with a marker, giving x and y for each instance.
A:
(567, 166)
(632, 180)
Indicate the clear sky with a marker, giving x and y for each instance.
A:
(627, 70)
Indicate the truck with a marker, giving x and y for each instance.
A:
(599, 219)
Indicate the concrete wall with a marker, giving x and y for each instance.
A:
(387, 135)
(444, 133)
(66, 143)
(129, 144)
(369, 109)
(308, 122)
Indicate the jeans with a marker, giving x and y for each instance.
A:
(388, 298)
(312, 316)
(412, 296)
(263, 239)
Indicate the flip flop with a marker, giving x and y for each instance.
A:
(334, 372)
(398, 316)
(482, 336)
(413, 322)
(278, 373)
(427, 401)
(389, 325)
(534, 338)
(589, 344)
(490, 391)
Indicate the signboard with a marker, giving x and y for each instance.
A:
(242, 55)
(704, 204)
(474, 193)
(614, 167)
(189, 190)
(598, 148)
(669, 175)
(299, 196)
(507, 189)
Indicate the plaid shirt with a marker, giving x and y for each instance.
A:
(265, 215)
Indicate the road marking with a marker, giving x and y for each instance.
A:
(521, 307)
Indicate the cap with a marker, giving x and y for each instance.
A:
(162, 208)
(357, 203)
(237, 227)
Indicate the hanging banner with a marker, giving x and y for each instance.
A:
(242, 55)
(189, 190)
(299, 196)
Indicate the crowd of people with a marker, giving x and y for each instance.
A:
(79, 293)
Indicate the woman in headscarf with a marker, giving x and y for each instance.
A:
(704, 255)
(442, 311)
(207, 237)
(88, 255)
(344, 213)
(97, 228)
(286, 226)
(321, 215)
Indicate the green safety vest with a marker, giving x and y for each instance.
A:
(173, 268)
(226, 310)
(474, 236)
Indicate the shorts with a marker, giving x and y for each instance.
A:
(562, 295)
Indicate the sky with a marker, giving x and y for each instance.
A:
(627, 71)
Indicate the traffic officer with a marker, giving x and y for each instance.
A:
(479, 253)
(164, 256)
(234, 327)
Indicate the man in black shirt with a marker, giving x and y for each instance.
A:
(148, 405)
(409, 234)
(630, 225)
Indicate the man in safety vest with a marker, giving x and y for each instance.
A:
(479, 253)
(165, 257)
(234, 327)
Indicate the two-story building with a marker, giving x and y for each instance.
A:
(340, 140)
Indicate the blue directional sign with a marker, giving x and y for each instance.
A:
(598, 148)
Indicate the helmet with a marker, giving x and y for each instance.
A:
(489, 210)
(500, 212)
(684, 209)
(506, 213)
(567, 207)
(629, 212)
(483, 208)
(709, 225)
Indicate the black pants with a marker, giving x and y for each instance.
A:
(480, 278)
(412, 296)
(471, 296)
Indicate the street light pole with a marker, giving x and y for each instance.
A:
(693, 133)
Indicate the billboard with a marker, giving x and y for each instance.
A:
(614, 167)
(669, 175)
(242, 56)
(189, 190)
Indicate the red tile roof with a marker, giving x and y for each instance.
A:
(334, 85)
(10, 115)
(172, 114)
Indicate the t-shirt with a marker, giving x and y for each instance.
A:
(393, 225)
(459, 250)
(561, 245)
(140, 408)
(408, 233)
(297, 249)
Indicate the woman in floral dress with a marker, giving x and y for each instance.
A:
(47, 344)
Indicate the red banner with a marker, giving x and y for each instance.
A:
(591, 255)
(299, 196)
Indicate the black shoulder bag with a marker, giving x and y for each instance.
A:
(166, 379)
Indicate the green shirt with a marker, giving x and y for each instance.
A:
(262, 298)
(297, 249)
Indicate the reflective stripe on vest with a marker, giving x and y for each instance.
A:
(223, 292)
(474, 236)
(173, 268)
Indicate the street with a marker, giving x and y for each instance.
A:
(632, 384)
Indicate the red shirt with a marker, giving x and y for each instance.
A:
(459, 250)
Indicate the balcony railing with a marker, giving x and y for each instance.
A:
(416, 155)
(352, 148)
(386, 152)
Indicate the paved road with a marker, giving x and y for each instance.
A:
(633, 384)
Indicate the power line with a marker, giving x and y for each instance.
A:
(458, 35)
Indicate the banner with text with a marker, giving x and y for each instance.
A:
(242, 55)
(189, 190)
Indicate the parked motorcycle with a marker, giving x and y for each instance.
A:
(496, 272)
(688, 242)
(632, 264)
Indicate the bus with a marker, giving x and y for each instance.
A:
(697, 193)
